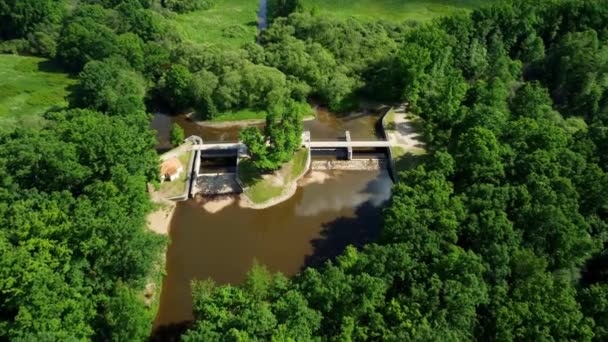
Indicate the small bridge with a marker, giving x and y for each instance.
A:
(346, 144)
(237, 147)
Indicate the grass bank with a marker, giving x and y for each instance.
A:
(229, 23)
(177, 187)
(29, 86)
(262, 188)
(393, 10)
(243, 114)
(250, 114)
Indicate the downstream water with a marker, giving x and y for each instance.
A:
(328, 212)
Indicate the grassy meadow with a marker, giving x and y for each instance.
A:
(28, 88)
(393, 10)
(229, 22)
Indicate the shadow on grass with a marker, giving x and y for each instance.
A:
(409, 161)
(248, 173)
(51, 66)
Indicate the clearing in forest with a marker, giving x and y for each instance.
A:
(229, 23)
(394, 10)
(29, 86)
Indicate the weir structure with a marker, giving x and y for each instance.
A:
(228, 182)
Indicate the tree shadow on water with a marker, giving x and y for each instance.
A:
(170, 332)
(335, 236)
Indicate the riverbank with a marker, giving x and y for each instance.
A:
(158, 222)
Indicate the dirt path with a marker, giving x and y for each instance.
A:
(402, 133)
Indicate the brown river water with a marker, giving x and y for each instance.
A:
(325, 126)
(329, 211)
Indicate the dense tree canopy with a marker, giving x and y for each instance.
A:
(73, 239)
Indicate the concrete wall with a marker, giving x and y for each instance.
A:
(350, 165)
(391, 165)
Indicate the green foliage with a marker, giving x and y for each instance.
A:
(177, 135)
(75, 249)
(282, 137)
(576, 66)
(264, 309)
(283, 8)
(131, 47)
(111, 87)
(176, 86)
(20, 17)
(83, 39)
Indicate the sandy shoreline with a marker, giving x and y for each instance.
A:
(159, 221)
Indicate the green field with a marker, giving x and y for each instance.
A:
(251, 114)
(28, 88)
(394, 10)
(243, 114)
(229, 22)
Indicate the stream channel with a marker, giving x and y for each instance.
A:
(220, 240)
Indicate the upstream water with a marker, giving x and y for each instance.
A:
(325, 126)
(220, 240)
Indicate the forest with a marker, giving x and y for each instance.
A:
(499, 233)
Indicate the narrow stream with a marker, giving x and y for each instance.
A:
(262, 16)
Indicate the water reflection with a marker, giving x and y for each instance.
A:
(376, 192)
